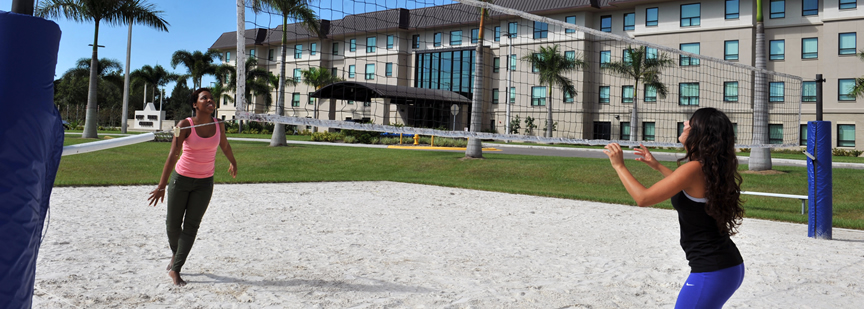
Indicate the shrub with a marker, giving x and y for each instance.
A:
(846, 152)
(350, 139)
(325, 137)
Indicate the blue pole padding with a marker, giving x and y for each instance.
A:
(31, 142)
(819, 178)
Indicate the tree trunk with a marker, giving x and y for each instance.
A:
(549, 112)
(124, 117)
(475, 147)
(634, 116)
(760, 158)
(92, 115)
(278, 138)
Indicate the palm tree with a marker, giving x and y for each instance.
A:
(197, 64)
(318, 78)
(858, 89)
(257, 82)
(760, 158)
(640, 66)
(474, 148)
(70, 91)
(112, 12)
(298, 10)
(156, 76)
(552, 66)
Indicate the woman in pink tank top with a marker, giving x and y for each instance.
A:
(191, 177)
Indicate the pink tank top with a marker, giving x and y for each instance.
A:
(199, 154)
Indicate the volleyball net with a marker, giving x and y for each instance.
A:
(571, 77)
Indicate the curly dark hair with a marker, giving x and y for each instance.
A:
(711, 141)
(194, 97)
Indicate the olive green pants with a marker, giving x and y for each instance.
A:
(188, 199)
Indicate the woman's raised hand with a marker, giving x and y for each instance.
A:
(646, 156)
(616, 155)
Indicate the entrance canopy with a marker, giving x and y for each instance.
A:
(365, 92)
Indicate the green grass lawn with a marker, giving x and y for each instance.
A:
(571, 178)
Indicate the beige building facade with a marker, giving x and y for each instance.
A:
(802, 38)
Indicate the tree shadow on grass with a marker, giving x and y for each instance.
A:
(374, 286)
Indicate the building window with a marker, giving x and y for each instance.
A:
(334, 71)
(568, 97)
(352, 45)
(626, 56)
(311, 99)
(227, 56)
(252, 53)
(370, 71)
(298, 75)
(367, 104)
(777, 49)
(541, 30)
(690, 48)
(847, 43)
(778, 8)
(848, 4)
(538, 96)
(626, 94)
(534, 66)
(680, 128)
(602, 130)
(688, 94)
(605, 57)
(335, 48)
(512, 95)
(475, 35)
(730, 92)
(776, 91)
(651, 17)
(651, 53)
(270, 55)
(415, 41)
(313, 49)
(350, 102)
(456, 37)
(844, 89)
(513, 62)
(624, 131)
(650, 93)
(732, 9)
(648, 131)
(570, 20)
(802, 135)
(604, 94)
(570, 55)
(390, 41)
(497, 34)
(388, 69)
(298, 51)
(845, 135)
(448, 70)
(496, 65)
(810, 7)
(690, 14)
(730, 50)
(295, 99)
(808, 92)
(629, 21)
(513, 29)
(775, 134)
(606, 23)
(371, 43)
(809, 48)
(351, 71)
(495, 95)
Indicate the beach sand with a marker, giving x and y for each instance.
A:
(396, 245)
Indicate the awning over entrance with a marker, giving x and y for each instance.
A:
(364, 92)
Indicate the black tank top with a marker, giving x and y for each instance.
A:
(706, 248)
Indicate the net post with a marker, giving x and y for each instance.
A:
(819, 180)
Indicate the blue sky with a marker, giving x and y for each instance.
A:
(195, 25)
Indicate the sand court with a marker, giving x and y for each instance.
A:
(396, 245)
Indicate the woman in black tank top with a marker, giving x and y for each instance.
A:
(705, 192)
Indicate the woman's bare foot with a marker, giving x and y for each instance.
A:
(176, 277)
(170, 264)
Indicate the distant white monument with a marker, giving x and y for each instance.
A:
(149, 118)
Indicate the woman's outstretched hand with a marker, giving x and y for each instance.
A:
(616, 155)
(646, 156)
(156, 196)
(232, 169)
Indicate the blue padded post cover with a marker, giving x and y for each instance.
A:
(819, 178)
(31, 143)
